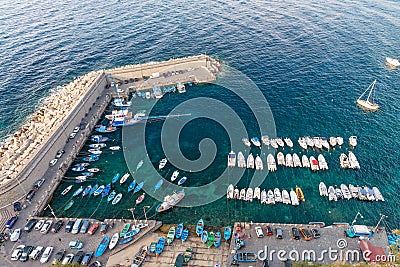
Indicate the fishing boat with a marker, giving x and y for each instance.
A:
(332, 193)
(293, 198)
(232, 159)
(185, 235)
(274, 144)
(378, 194)
(285, 197)
(323, 165)
(162, 164)
(118, 114)
(354, 191)
(332, 141)
(305, 162)
(271, 163)
(346, 192)
(114, 241)
(117, 199)
(393, 62)
(140, 199)
(323, 191)
(174, 175)
(188, 254)
(367, 104)
(140, 164)
(245, 257)
(256, 141)
(80, 179)
(246, 142)
(280, 142)
(105, 129)
(257, 193)
(217, 239)
(97, 146)
(259, 164)
(314, 164)
(99, 139)
(115, 148)
(86, 191)
(199, 227)
(66, 190)
(289, 160)
(115, 178)
(229, 192)
(91, 158)
(302, 142)
(158, 184)
(250, 161)
(171, 235)
(227, 233)
(78, 191)
(124, 178)
(106, 190)
(249, 194)
(265, 140)
(280, 158)
(241, 160)
(210, 239)
(242, 195)
(325, 143)
(111, 196)
(132, 232)
(120, 102)
(99, 190)
(170, 201)
(132, 186)
(300, 194)
(236, 193)
(138, 187)
(88, 174)
(95, 151)
(152, 247)
(339, 140)
(94, 170)
(288, 142)
(140, 257)
(83, 164)
(160, 245)
(344, 161)
(296, 160)
(353, 141)
(78, 169)
(69, 205)
(277, 195)
(353, 161)
(270, 197)
(102, 246)
(126, 228)
(182, 180)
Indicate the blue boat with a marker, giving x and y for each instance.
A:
(160, 245)
(91, 158)
(138, 187)
(99, 138)
(105, 129)
(78, 168)
(132, 186)
(182, 180)
(86, 191)
(178, 232)
(111, 196)
(204, 236)
(106, 190)
(102, 246)
(227, 233)
(159, 184)
(185, 235)
(93, 189)
(78, 191)
(83, 164)
(200, 227)
(125, 240)
(115, 178)
(99, 190)
(88, 174)
(217, 239)
(132, 232)
(245, 257)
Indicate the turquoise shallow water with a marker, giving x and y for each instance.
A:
(311, 61)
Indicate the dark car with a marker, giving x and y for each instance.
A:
(104, 228)
(60, 153)
(315, 233)
(306, 234)
(30, 195)
(59, 256)
(78, 257)
(25, 254)
(268, 231)
(295, 233)
(38, 183)
(279, 233)
(88, 257)
(69, 226)
(17, 206)
(11, 221)
(57, 226)
(29, 225)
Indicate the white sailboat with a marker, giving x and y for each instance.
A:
(241, 160)
(259, 164)
(271, 163)
(250, 161)
(367, 104)
(231, 159)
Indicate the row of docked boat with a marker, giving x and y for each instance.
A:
(209, 238)
(347, 192)
(293, 197)
(349, 161)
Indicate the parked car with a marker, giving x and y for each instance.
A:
(77, 226)
(315, 233)
(35, 254)
(279, 233)
(46, 254)
(15, 235)
(87, 258)
(59, 256)
(46, 227)
(53, 162)
(11, 222)
(78, 257)
(76, 129)
(72, 135)
(38, 183)
(75, 244)
(259, 231)
(68, 259)
(30, 195)
(25, 253)
(69, 226)
(104, 227)
(295, 233)
(95, 264)
(39, 225)
(17, 253)
(57, 226)
(93, 228)
(17, 206)
(85, 226)
(60, 153)
(268, 231)
(305, 233)
(29, 225)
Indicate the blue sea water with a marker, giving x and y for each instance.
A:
(310, 60)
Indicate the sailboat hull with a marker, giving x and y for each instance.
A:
(366, 105)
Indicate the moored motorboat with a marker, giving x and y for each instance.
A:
(332, 141)
(280, 142)
(106, 190)
(199, 227)
(263, 197)
(310, 142)
(322, 189)
(236, 193)
(250, 161)
(257, 193)
(271, 163)
(332, 194)
(339, 193)
(293, 198)
(124, 178)
(323, 165)
(232, 159)
(99, 190)
(274, 144)
(111, 196)
(162, 163)
(305, 162)
(277, 195)
(300, 194)
(182, 180)
(317, 142)
(229, 192)
(325, 143)
(256, 141)
(97, 146)
(138, 187)
(280, 158)
(353, 161)
(174, 175)
(66, 190)
(246, 142)
(344, 161)
(139, 165)
(69, 205)
(296, 160)
(131, 186)
(378, 194)
(170, 201)
(117, 199)
(115, 148)
(94, 170)
(339, 140)
(314, 164)
(370, 193)
(345, 191)
(158, 184)
(289, 160)
(78, 169)
(288, 142)
(302, 142)
(265, 140)
(115, 178)
(285, 197)
(270, 197)
(86, 191)
(258, 163)
(353, 190)
(242, 195)
(78, 191)
(249, 194)
(140, 199)
(353, 141)
(99, 138)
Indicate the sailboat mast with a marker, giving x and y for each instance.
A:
(372, 88)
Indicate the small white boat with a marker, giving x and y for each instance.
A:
(293, 198)
(305, 162)
(345, 191)
(353, 161)
(257, 193)
(339, 193)
(118, 114)
(162, 164)
(322, 189)
(332, 141)
(296, 160)
(332, 194)
(259, 164)
(339, 140)
(279, 142)
(353, 190)
(229, 192)
(249, 194)
(250, 161)
(325, 143)
(256, 141)
(263, 197)
(280, 158)
(236, 193)
(271, 197)
(232, 159)
(114, 241)
(289, 161)
(288, 142)
(246, 142)
(317, 142)
(353, 141)
(370, 194)
(124, 178)
(265, 140)
(94, 170)
(310, 141)
(277, 195)
(367, 104)
(302, 142)
(378, 194)
(115, 148)
(95, 151)
(285, 197)
(242, 195)
(344, 161)
(174, 175)
(241, 160)
(274, 144)
(314, 164)
(323, 165)
(271, 163)
(393, 62)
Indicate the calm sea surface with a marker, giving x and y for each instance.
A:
(311, 61)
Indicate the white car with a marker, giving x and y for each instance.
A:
(46, 254)
(72, 135)
(46, 227)
(53, 162)
(17, 253)
(76, 129)
(39, 225)
(15, 235)
(68, 258)
(259, 231)
(36, 253)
